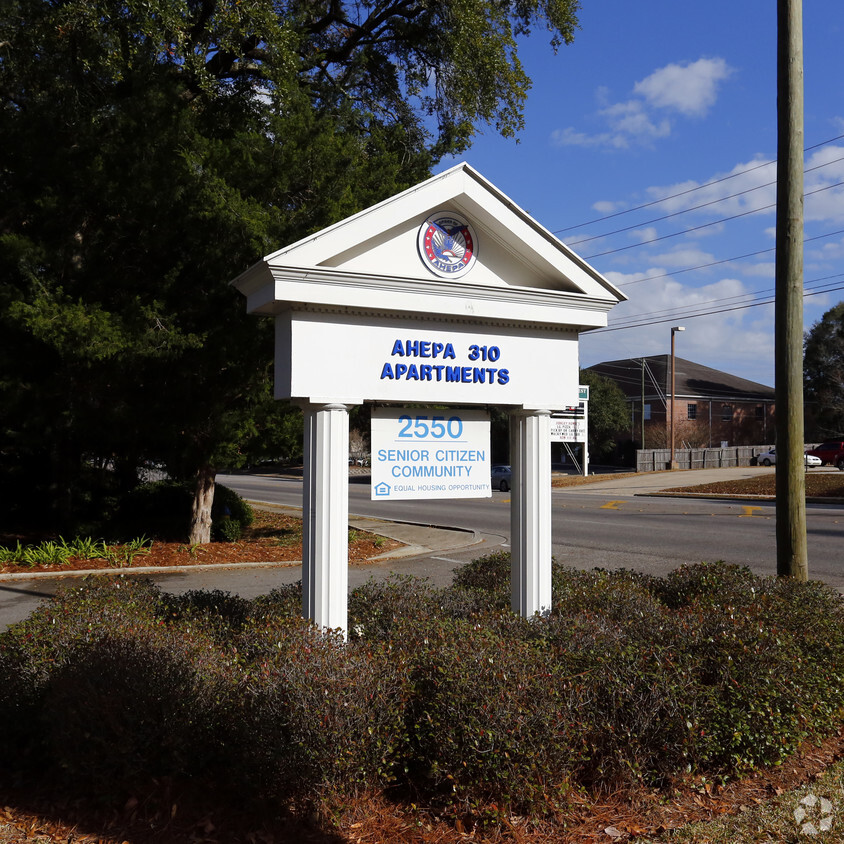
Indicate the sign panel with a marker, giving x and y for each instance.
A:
(423, 453)
(568, 430)
(425, 362)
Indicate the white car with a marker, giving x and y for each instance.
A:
(769, 458)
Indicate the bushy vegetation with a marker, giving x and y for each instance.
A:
(163, 509)
(441, 695)
(60, 552)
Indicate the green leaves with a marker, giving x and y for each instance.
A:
(71, 328)
(823, 371)
(155, 149)
(631, 680)
(608, 413)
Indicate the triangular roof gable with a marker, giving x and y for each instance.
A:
(512, 249)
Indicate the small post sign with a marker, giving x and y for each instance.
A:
(422, 453)
(568, 430)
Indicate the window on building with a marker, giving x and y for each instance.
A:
(691, 411)
(760, 412)
(647, 412)
(726, 412)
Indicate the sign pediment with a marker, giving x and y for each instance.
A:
(451, 245)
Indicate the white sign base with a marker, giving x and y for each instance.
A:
(423, 453)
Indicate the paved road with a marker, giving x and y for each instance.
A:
(617, 522)
(614, 523)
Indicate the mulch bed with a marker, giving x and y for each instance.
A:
(819, 485)
(273, 537)
(165, 814)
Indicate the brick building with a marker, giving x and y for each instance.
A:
(710, 407)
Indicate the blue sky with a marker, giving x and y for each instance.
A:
(673, 105)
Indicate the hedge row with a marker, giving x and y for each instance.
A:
(441, 692)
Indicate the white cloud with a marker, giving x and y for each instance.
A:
(607, 207)
(690, 89)
(763, 269)
(747, 186)
(684, 257)
(630, 121)
(645, 235)
(569, 138)
(709, 340)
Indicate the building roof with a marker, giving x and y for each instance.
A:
(692, 380)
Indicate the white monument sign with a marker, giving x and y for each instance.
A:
(450, 295)
(434, 361)
(423, 453)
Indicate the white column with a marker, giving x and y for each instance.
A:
(530, 512)
(325, 516)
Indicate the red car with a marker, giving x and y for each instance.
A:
(830, 452)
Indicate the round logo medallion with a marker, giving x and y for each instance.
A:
(447, 244)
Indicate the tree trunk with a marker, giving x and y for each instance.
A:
(203, 498)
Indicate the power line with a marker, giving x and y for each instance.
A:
(724, 260)
(705, 225)
(647, 322)
(689, 190)
(824, 285)
(693, 208)
(680, 310)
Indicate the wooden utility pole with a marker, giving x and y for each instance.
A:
(792, 555)
(643, 404)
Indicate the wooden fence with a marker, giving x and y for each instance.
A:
(658, 459)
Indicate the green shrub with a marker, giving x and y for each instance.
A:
(163, 510)
(321, 716)
(621, 596)
(704, 581)
(229, 504)
(490, 573)
(142, 703)
(444, 691)
(226, 530)
(378, 606)
(219, 614)
(489, 721)
(282, 602)
(32, 651)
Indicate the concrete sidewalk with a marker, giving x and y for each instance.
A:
(647, 483)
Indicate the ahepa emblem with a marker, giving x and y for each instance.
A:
(447, 244)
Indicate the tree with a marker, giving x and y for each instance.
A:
(823, 371)
(609, 414)
(153, 151)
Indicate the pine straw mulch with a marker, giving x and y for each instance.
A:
(274, 537)
(818, 485)
(164, 814)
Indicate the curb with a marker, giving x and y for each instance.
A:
(36, 575)
(724, 496)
